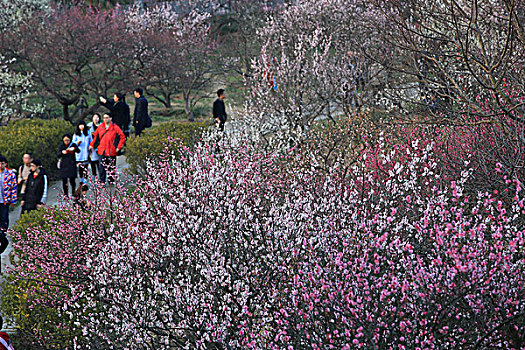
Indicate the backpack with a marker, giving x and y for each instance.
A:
(148, 122)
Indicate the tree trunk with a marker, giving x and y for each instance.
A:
(65, 107)
(87, 112)
(188, 109)
(65, 111)
(167, 99)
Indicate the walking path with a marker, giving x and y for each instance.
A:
(53, 194)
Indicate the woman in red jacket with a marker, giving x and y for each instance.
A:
(108, 140)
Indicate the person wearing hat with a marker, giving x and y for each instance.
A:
(36, 188)
(8, 196)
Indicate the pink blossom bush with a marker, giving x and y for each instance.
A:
(238, 249)
(230, 247)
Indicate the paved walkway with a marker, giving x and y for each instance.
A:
(53, 193)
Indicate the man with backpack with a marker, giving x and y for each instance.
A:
(108, 140)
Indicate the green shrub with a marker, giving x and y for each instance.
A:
(40, 137)
(154, 140)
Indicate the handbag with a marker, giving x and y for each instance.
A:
(98, 139)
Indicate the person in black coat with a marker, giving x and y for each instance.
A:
(219, 109)
(68, 164)
(35, 194)
(140, 114)
(119, 109)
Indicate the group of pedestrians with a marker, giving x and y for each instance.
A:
(98, 143)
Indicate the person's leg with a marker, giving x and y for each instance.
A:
(138, 131)
(102, 169)
(221, 123)
(73, 185)
(64, 186)
(80, 173)
(4, 224)
(94, 167)
(83, 172)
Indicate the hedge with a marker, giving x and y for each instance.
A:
(40, 137)
(154, 140)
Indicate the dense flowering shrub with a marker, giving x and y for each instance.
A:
(229, 247)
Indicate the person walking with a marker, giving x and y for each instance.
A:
(23, 171)
(8, 196)
(67, 163)
(140, 114)
(35, 195)
(108, 140)
(119, 110)
(219, 109)
(94, 158)
(82, 139)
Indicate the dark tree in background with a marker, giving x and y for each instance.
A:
(72, 51)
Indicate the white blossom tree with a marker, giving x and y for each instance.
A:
(13, 12)
(15, 87)
(311, 65)
(174, 53)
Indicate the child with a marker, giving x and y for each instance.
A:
(79, 197)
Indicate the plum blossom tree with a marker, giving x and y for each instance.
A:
(173, 52)
(14, 86)
(14, 89)
(14, 12)
(241, 249)
(227, 251)
(456, 60)
(311, 65)
(71, 51)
